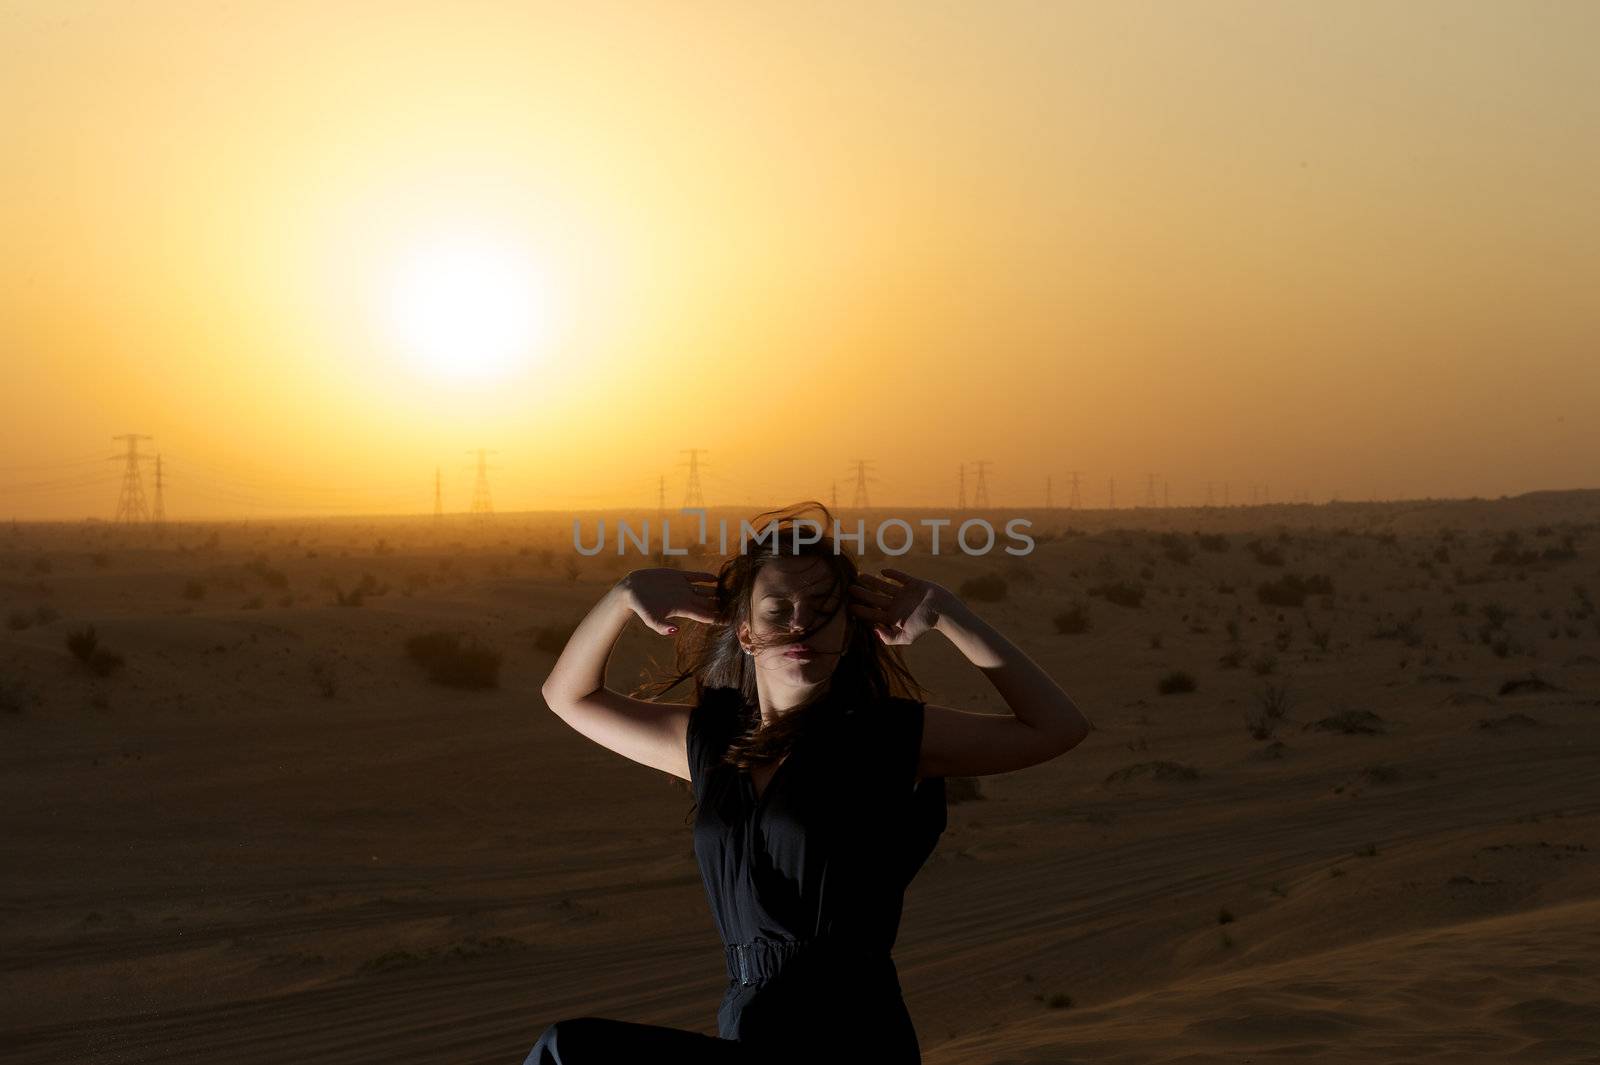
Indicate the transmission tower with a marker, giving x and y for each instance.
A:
(130, 504)
(660, 554)
(1150, 490)
(961, 500)
(481, 507)
(860, 500)
(1111, 493)
(980, 495)
(1166, 492)
(159, 515)
(1074, 501)
(438, 495)
(692, 496)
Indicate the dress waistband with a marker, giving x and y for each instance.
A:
(758, 960)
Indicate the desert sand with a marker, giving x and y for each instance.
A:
(268, 836)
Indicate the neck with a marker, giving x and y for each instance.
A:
(775, 704)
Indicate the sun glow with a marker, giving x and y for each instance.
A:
(465, 308)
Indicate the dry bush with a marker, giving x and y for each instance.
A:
(454, 663)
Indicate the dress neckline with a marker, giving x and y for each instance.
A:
(759, 799)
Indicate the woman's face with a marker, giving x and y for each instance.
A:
(789, 596)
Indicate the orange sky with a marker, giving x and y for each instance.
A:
(1327, 248)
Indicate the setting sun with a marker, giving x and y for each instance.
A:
(463, 308)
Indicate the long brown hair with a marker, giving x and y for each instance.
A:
(712, 656)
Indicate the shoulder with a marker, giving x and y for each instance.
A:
(889, 715)
(715, 709)
(889, 731)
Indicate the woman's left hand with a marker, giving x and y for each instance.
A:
(900, 610)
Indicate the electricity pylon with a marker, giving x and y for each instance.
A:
(130, 503)
(692, 496)
(980, 495)
(860, 500)
(481, 507)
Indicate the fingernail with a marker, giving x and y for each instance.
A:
(672, 628)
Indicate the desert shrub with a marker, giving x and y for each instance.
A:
(553, 638)
(194, 589)
(368, 585)
(1272, 704)
(1176, 548)
(14, 698)
(1175, 682)
(85, 646)
(1292, 589)
(1320, 637)
(1507, 552)
(987, 588)
(322, 673)
(454, 663)
(1121, 593)
(1021, 571)
(1404, 630)
(275, 578)
(1161, 770)
(1496, 615)
(1350, 723)
(1265, 553)
(82, 642)
(1072, 620)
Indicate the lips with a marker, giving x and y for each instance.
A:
(800, 652)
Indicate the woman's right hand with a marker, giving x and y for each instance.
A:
(662, 592)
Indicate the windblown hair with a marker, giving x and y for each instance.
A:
(712, 656)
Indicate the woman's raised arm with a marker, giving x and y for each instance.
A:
(1044, 722)
(649, 733)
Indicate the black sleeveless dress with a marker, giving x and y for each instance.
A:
(806, 883)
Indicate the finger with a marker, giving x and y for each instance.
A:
(867, 612)
(871, 595)
(900, 575)
(878, 584)
(695, 613)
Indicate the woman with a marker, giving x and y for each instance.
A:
(818, 777)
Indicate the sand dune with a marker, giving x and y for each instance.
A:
(267, 836)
